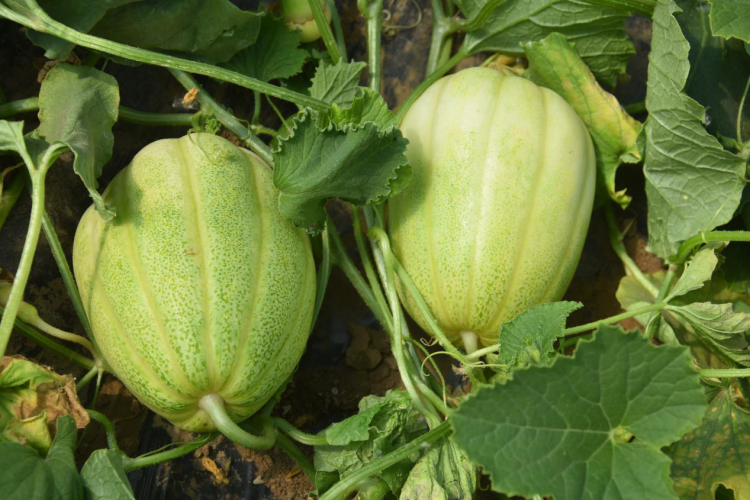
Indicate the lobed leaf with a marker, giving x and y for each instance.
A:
(729, 18)
(337, 83)
(590, 427)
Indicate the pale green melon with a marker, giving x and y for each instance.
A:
(497, 211)
(198, 286)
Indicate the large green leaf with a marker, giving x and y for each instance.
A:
(731, 18)
(598, 32)
(692, 184)
(104, 477)
(358, 164)
(443, 473)
(25, 475)
(276, 53)
(715, 59)
(716, 453)
(555, 63)
(591, 427)
(78, 106)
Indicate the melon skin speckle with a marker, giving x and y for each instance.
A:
(496, 214)
(198, 285)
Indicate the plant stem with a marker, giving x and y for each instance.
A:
(316, 6)
(636, 108)
(741, 108)
(128, 114)
(132, 464)
(725, 373)
(293, 451)
(432, 78)
(336, 22)
(341, 258)
(225, 117)
(644, 7)
(38, 20)
(38, 175)
(87, 378)
(374, 39)
(480, 18)
(364, 256)
(669, 278)
(615, 240)
(346, 486)
(710, 236)
(659, 306)
(440, 31)
(298, 435)
(48, 343)
(10, 196)
(213, 405)
(324, 272)
(109, 428)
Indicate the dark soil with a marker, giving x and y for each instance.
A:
(348, 355)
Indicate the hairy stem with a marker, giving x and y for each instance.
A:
(298, 435)
(109, 428)
(364, 256)
(293, 451)
(659, 306)
(149, 459)
(213, 405)
(318, 12)
(725, 373)
(615, 240)
(10, 196)
(684, 252)
(374, 38)
(324, 272)
(336, 22)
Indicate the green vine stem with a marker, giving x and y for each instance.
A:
(442, 28)
(298, 435)
(740, 109)
(226, 118)
(345, 487)
(686, 248)
(397, 342)
(318, 12)
(669, 278)
(94, 371)
(128, 114)
(109, 428)
(35, 18)
(635, 108)
(324, 272)
(725, 373)
(615, 240)
(48, 343)
(427, 82)
(364, 256)
(293, 451)
(336, 22)
(38, 174)
(373, 11)
(213, 405)
(149, 459)
(10, 196)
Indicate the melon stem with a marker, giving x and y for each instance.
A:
(213, 405)
(471, 341)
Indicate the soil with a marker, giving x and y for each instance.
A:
(348, 355)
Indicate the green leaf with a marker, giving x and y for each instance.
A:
(729, 18)
(719, 326)
(170, 26)
(360, 165)
(443, 473)
(715, 59)
(25, 475)
(78, 107)
(368, 107)
(566, 430)
(276, 53)
(716, 453)
(597, 32)
(337, 83)
(697, 272)
(555, 63)
(692, 184)
(104, 477)
(11, 137)
(632, 295)
(81, 15)
(529, 337)
(382, 425)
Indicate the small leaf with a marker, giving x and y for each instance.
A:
(104, 477)
(369, 107)
(443, 473)
(566, 430)
(337, 83)
(11, 137)
(697, 272)
(529, 337)
(357, 164)
(556, 63)
(597, 32)
(716, 453)
(276, 53)
(719, 326)
(729, 18)
(78, 107)
(692, 184)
